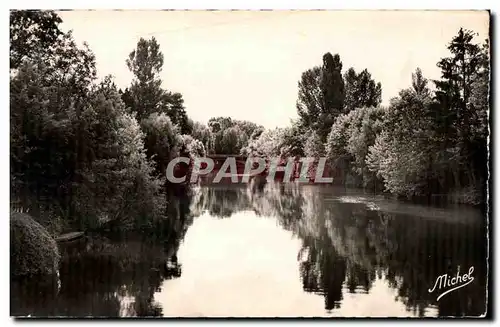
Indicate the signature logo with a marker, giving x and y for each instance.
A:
(457, 281)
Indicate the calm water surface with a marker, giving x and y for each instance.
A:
(277, 250)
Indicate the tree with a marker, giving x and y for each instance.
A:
(247, 127)
(404, 154)
(174, 104)
(361, 90)
(419, 83)
(478, 104)
(332, 85)
(146, 62)
(454, 88)
(313, 146)
(146, 95)
(479, 96)
(349, 141)
(160, 140)
(230, 143)
(332, 89)
(33, 34)
(342, 95)
(310, 98)
(118, 185)
(216, 124)
(77, 154)
(160, 112)
(457, 117)
(48, 97)
(194, 147)
(127, 98)
(321, 96)
(230, 136)
(202, 133)
(293, 141)
(257, 132)
(267, 145)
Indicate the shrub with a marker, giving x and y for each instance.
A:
(33, 250)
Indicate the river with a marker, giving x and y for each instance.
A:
(274, 251)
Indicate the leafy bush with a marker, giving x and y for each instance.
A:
(33, 250)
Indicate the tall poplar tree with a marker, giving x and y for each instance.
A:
(361, 90)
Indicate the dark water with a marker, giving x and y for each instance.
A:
(274, 251)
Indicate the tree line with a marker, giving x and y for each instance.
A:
(430, 140)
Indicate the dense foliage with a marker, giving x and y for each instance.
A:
(33, 34)
(349, 141)
(83, 153)
(230, 136)
(437, 143)
(86, 155)
(424, 143)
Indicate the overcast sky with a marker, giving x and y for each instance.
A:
(247, 64)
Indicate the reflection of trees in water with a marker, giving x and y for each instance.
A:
(408, 249)
(404, 248)
(221, 201)
(322, 272)
(280, 200)
(109, 276)
(428, 249)
(348, 246)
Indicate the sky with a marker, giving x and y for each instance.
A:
(246, 64)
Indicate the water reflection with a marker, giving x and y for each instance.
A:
(349, 242)
(273, 250)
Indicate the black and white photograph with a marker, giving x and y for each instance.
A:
(250, 163)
